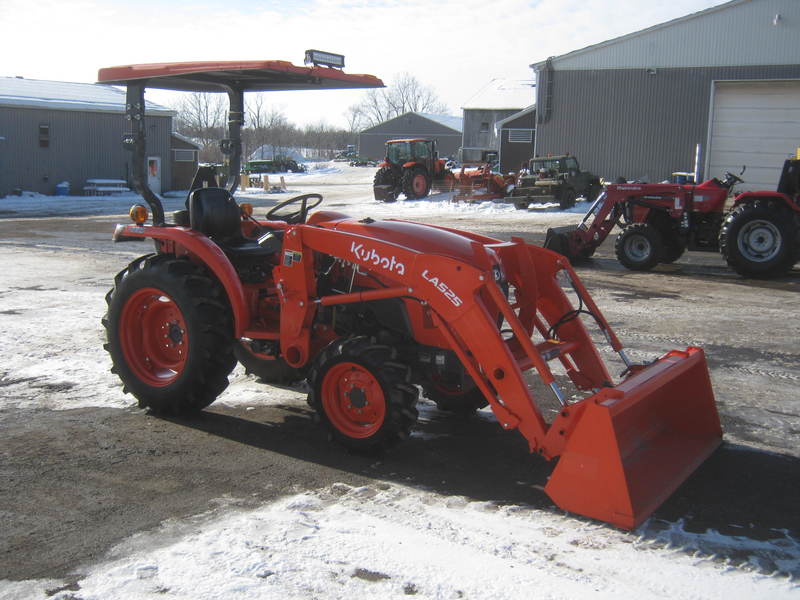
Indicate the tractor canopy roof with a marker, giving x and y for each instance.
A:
(248, 75)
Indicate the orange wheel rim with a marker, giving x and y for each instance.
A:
(153, 338)
(353, 400)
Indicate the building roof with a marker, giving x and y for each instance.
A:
(455, 123)
(63, 95)
(448, 121)
(502, 94)
(735, 33)
(516, 115)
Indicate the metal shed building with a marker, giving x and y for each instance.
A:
(517, 134)
(497, 100)
(446, 130)
(59, 131)
(726, 79)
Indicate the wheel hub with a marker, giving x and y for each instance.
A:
(638, 247)
(759, 240)
(353, 400)
(153, 337)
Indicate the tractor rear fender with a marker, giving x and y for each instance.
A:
(187, 242)
(766, 195)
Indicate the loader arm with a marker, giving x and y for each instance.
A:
(660, 419)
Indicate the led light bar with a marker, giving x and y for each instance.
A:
(326, 59)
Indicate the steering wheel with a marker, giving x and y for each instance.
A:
(733, 179)
(296, 216)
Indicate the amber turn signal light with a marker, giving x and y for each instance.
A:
(138, 214)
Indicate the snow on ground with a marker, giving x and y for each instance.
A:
(389, 541)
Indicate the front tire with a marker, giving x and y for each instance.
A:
(362, 396)
(755, 239)
(639, 247)
(416, 184)
(170, 334)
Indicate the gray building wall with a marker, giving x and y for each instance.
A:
(372, 141)
(741, 32)
(637, 123)
(514, 154)
(182, 170)
(82, 145)
(475, 141)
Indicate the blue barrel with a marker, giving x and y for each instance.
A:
(62, 189)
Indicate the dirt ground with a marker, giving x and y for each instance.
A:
(83, 468)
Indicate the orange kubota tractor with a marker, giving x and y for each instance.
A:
(370, 311)
(411, 167)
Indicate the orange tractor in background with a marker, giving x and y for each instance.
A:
(371, 311)
(411, 167)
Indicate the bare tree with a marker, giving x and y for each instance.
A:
(201, 117)
(405, 94)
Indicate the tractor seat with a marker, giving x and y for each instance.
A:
(214, 212)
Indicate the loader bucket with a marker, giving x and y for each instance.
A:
(635, 444)
(557, 240)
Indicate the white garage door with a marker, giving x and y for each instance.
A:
(756, 124)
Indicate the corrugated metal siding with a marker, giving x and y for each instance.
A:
(735, 35)
(631, 123)
(83, 145)
(473, 117)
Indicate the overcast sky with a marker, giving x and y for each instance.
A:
(455, 47)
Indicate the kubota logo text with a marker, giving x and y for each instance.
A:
(370, 255)
(442, 287)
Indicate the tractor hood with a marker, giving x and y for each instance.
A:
(429, 239)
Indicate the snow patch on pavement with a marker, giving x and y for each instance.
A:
(389, 541)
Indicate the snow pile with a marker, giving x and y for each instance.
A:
(387, 541)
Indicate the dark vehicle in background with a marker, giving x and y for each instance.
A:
(553, 179)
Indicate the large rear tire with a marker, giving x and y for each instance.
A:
(362, 396)
(639, 247)
(385, 176)
(415, 183)
(756, 239)
(170, 334)
(566, 199)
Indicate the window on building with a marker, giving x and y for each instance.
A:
(485, 127)
(520, 135)
(44, 135)
(184, 154)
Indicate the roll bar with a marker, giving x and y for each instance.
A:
(231, 77)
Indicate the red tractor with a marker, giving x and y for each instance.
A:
(758, 237)
(411, 167)
(371, 311)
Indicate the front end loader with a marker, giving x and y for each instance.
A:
(370, 311)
